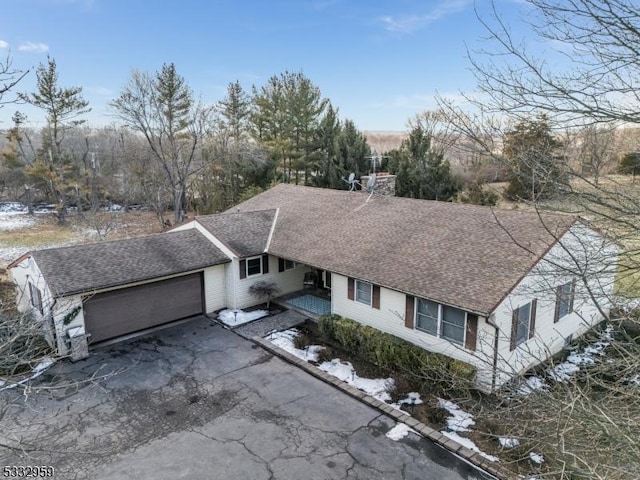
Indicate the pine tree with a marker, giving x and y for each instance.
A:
(63, 107)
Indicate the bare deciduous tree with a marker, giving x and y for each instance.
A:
(587, 426)
(162, 109)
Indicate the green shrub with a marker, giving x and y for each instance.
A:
(442, 373)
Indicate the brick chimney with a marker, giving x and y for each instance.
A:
(385, 184)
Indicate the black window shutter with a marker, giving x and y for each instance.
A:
(265, 263)
(375, 303)
(472, 332)
(556, 315)
(281, 264)
(514, 326)
(532, 322)
(408, 312)
(350, 288)
(243, 269)
(573, 295)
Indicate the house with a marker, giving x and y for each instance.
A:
(499, 289)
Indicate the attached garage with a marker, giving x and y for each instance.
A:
(111, 289)
(127, 310)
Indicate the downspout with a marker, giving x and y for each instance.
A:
(496, 339)
(234, 272)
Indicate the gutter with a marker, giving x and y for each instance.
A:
(496, 338)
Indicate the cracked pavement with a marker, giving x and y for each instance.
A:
(196, 401)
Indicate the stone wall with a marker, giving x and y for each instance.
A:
(385, 184)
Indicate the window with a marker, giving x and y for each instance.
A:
(427, 316)
(522, 315)
(441, 321)
(523, 323)
(289, 264)
(364, 292)
(453, 323)
(254, 266)
(564, 300)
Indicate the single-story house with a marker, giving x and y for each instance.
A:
(500, 289)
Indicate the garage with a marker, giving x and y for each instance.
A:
(127, 310)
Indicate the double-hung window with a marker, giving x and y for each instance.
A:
(441, 321)
(523, 323)
(364, 292)
(254, 266)
(427, 316)
(564, 299)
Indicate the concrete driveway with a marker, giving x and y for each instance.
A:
(195, 401)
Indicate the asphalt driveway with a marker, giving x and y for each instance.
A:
(196, 401)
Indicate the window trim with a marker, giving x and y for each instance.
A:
(531, 323)
(247, 260)
(357, 290)
(440, 321)
(561, 297)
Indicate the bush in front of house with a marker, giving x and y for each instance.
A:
(440, 372)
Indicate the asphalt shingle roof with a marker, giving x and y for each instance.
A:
(462, 255)
(245, 233)
(85, 268)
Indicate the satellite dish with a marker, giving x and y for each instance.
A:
(351, 181)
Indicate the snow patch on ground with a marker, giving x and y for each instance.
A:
(15, 221)
(563, 372)
(459, 421)
(376, 387)
(38, 370)
(508, 442)
(530, 385)
(412, 398)
(536, 457)
(399, 432)
(284, 340)
(233, 318)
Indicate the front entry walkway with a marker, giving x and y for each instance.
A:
(280, 321)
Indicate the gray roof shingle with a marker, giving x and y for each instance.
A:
(245, 233)
(85, 268)
(462, 255)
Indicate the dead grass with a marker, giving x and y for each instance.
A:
(45, 232)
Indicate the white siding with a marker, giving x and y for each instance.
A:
(593, 289)
(390, 319)
(55, 310)
(288, 281)
(215, 290)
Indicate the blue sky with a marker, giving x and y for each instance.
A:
(379, 62)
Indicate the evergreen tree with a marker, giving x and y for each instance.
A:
(286, 114)
(535, 166)
(421, 169)
(63, 107)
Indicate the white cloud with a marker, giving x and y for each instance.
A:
(410, 23)
(35, 47)
(4, 44)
